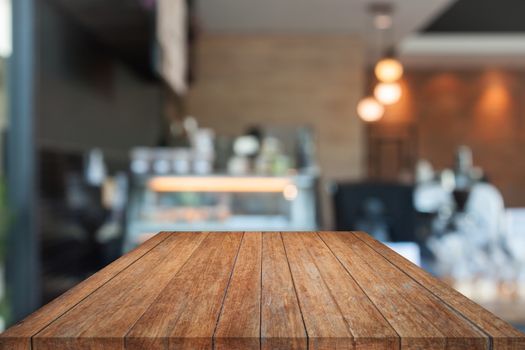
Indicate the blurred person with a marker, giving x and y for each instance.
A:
(469, 228)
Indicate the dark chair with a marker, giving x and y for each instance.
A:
(396, 213)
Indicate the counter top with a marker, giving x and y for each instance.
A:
(315, 290)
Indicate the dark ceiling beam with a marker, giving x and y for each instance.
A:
(480, 16)
(125, 27)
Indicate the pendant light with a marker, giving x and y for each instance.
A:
(388, 70)
(387, 93)
(370, 110)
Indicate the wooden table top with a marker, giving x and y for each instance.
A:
(315, 290)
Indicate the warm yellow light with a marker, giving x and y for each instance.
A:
(388, 70)
(387, 93)
(290, 192)
(219, 184)
(370, 110)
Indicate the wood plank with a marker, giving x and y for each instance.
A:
(367, 325)
(239, 324)
(282, 326)
(420, 318)
(103, 319)
(19, 336)
(185, 314)
(237, 290)
(504, 335)
(325, 323)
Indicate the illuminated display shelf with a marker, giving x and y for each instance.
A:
(220, 203)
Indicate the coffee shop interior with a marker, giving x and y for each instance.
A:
(401, 118)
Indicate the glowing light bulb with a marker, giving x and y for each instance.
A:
(290, 192)
(370, 110)
(383, 21)
(387, 93)
(388, 70)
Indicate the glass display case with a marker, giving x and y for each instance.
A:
(220, 203)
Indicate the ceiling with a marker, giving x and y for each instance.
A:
(470, 33)
(425, 32)
(315, 17)
(123, 26)
(481, 16)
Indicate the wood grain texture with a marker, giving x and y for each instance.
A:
(419, 318)
(323, 318)
(239, 325)
(185, 314)
(110, 312)
(368, 326)
(503, 334)
(253, 290)
(19, 336)
(282, 326)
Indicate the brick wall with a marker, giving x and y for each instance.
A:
(244, 80)
(481, 108)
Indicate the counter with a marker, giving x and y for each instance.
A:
(220, 203)
(234, 290)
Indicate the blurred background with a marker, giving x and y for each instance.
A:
(401, 118)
